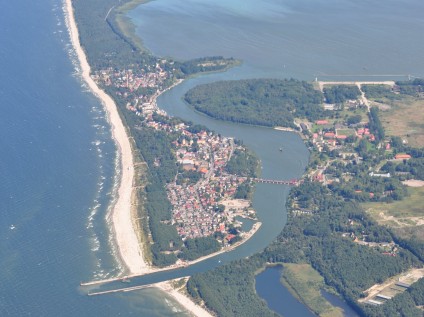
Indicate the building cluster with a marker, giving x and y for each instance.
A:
(139, 85)
(202, 155)
(196, 208)
(332, 136)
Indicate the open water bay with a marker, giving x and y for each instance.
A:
(303, 39)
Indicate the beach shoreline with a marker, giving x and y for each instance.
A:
(123, 228)
(125, 236)
(124, 232)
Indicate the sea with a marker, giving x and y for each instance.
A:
(58, 161)
(57, 177)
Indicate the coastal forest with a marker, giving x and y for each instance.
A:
(315, 238)
(341, 93)
(266, 102)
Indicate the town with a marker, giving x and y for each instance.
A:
(203, 194)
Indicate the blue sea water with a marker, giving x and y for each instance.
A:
(57, 175)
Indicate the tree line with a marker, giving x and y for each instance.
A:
(315, 238)
(266, 102)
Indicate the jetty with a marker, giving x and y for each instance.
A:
(126, 289)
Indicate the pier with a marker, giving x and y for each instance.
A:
(126, 289)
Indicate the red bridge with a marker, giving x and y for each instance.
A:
(292, 182)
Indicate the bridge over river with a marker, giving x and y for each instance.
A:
(292, 182)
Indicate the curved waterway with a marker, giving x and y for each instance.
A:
(269, 200)
(58, 162)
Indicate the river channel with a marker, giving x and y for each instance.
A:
(269, 200)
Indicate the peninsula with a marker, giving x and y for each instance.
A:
(193, 163)
(121, 214)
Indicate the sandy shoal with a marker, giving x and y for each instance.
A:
(125, 235)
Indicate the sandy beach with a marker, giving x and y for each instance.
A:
(183, 299)
(125, 235)
(124, 231)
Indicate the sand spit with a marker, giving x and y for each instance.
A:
(125, 235)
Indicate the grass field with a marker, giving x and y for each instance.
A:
(405, 118)
(306, 284)
(405, 216)
(346, 132)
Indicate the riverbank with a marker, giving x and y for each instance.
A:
(120, 214)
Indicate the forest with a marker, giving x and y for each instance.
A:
(375, 125)
(413, 166)
(315, 238)
(243, 163)
(341, 93)
(266, 102)
(411, 87)
(198, 247)
(379, 91)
